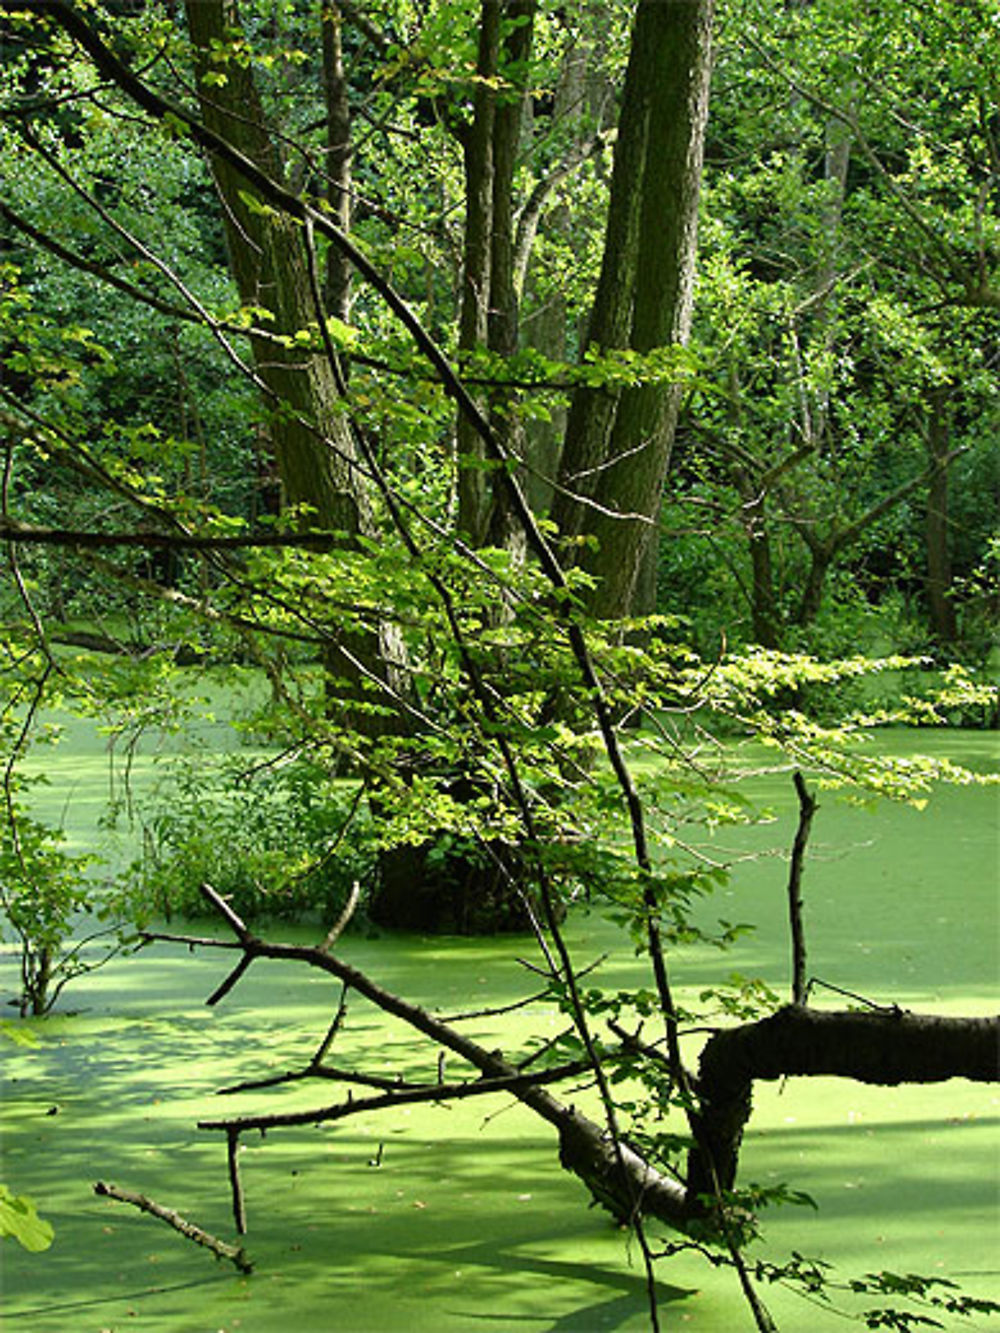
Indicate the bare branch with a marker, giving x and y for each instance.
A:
(340, 924)
(235, 1254)
(401, 1096)
(15, 530)
(807, 808)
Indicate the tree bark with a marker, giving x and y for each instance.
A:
(939, 603)
(338, 158)
(473, 485)
(617, 448)
(884, 1047)
(314, 449)
(489, 315)
(268, 265)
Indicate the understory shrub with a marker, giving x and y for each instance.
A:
(45, 892)
(282, 840)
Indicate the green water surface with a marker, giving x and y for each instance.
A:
(468, 1223)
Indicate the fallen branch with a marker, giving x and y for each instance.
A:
(585, 1149)
(884, 1047)
(404, 1095)
(235, 1254)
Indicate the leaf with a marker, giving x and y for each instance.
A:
(19, 1219)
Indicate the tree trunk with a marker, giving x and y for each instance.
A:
(617, 448)
(582, 97)
(820, 559)
(503, 316)
(448, 884)
(269, 267)
(939, 602)
(313, 447)
(765, 617)
(473, 485)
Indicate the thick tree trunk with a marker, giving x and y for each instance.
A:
(313, 446)
(268, 264)
(617, 448)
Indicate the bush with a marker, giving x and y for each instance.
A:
(43, 892)
(284, 841)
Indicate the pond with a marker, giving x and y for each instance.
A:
(459, 1218)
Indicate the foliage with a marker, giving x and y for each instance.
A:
(278, 841)
(19, 1218)
(44, 893)
(847, 330)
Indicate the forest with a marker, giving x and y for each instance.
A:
(493, 492)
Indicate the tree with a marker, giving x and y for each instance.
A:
(617, 451)
(837, 304)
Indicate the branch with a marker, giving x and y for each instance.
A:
(807, 808)
(527, 222)
(338, 927)
(236, 1185)
(235, 1254)
(885, 1047)
(853, 530)
(13, 529)
(101, 271)
(615, 1175)
(396, 1096)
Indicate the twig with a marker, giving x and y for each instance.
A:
(226, 986)
(235, 1254)
(329, 1072)
(237, 924)
(239, 1203)
(853, 995)
(807, 808)
(433, 1092)
(338, 926)
(323, 1048)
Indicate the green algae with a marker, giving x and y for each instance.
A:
(459, 1218)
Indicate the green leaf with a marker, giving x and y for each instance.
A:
(19, 1219)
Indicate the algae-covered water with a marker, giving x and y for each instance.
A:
(459, 1218)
